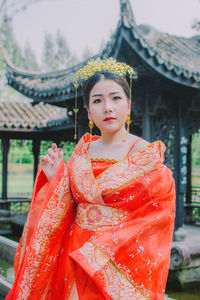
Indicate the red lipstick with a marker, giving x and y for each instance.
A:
(109, 119)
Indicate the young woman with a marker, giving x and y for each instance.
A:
(101, 226)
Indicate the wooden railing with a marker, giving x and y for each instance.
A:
(13, 211)
(16, 205)
(192, 210)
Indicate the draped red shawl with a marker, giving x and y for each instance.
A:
(98, 237)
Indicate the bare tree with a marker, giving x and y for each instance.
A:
(196, 24)
(9, 8)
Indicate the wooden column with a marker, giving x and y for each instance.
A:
(180, 173)
(189, 171)
(5, 149)
(146, 127)
(36, 152)
(188, 211)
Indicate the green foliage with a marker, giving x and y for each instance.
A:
(2, 66)
(10, 44)
(20, 151)
(56, 53)
(30, 61)
(20, 164)
(11, 47)
(67, 148)
(196, 213)
(196, 149)
(49, 63)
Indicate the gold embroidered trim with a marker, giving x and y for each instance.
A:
(81, 165)
(56, 209)
(114, 265)
(74, 181)
(45, 244)
(104, 159)
(102, 179)
(127, 157)
(23, 243)
(92, 174)
(127, 183)
(70, 289)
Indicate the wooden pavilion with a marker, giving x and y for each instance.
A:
(20, 120)
(166, 92)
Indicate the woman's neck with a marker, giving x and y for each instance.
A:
(111, 138)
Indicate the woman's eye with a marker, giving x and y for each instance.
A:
(97, 100)
(116, 98)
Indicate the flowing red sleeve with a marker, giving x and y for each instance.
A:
(50, 216)
(134, 256)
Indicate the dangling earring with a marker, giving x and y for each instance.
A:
(75, 109)
(128, 122)
(91, 125)
(128, 119)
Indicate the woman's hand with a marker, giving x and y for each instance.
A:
(51, 161)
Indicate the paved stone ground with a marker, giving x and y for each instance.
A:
(192, 235)
(192, 273)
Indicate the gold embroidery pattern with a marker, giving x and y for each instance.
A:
(51, 218)
(104, 160)
(23, 243)
(83, 176)
(95, 217)
(116, 284)
(135, 165)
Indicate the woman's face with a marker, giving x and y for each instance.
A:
(108, 106)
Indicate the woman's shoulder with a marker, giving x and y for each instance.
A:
(139, 143)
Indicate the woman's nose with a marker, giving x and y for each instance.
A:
(108, 106)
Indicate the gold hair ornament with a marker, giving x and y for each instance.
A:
(97, 65)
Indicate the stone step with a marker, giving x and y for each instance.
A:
(4, 220)
(6, 231)
(7, 249)
(5, 286)
(4, 213)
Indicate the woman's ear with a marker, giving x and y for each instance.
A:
(89, 114)
(129, 107)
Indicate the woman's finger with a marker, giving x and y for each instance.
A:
(60, 153)
(54, 147)
(47, 159)
(43, 159)
(51, 153)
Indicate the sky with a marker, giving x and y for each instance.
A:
(89, 23)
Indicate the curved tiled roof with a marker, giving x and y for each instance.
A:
(179, 56)
(24, 116)
(177, 53)
(176, 58)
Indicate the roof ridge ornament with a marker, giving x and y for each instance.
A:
(126, 12)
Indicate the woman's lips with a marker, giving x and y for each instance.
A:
(109, 119)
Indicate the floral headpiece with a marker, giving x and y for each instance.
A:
(97, 65)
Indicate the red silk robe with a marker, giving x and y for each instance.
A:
(98, 234)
